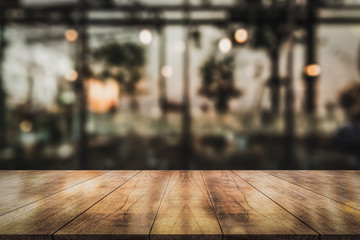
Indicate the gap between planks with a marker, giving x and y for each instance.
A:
(53, 194)
(162, 197)
(212, 204)
(53, 234)
(319, 235)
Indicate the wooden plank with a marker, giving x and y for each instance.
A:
(186, 211)
(23, 187)
(7, 175)
(341, 186)
(244, 212)
(331, 219)
(44, 217)
(127, 213)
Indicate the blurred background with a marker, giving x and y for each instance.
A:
(180, 84)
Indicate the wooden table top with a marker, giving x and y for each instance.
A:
(99, 205)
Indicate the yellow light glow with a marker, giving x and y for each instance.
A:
(145, 36)
(313, 70)
(225, 45)
(102, 96)
(71, 35)
(71, 76)
(167, 71)
(241, 35)
(26, 126)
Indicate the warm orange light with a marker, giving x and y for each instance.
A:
(313, 70)
(71, 35)
(71, 76)
(26, 126)
(102, 96)
(241, 35)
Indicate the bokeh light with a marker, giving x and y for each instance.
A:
(72, 75)
(102, 95)
(71, 35)
(241, 35)
(225, 45)
(26, 126)
(313, 70)
(167, 71)
(145, 36)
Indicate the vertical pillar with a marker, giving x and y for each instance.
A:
(2, 91)
(162, 79)
(82, 68)
(274, 82)
(288, 161)
(186, 117)
(310, 81)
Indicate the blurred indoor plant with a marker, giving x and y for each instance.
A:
(218, 82)
(123, 62)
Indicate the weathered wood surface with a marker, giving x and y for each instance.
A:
(127, 213)
(24, 187)
(341, 186)
(329, 218)
(45, 216)
(186, 210)
(100, 205)
(241, 209)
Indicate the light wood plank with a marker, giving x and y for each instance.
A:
(44, 217)
(127, 213)
(341, 186)
(331, 219)
(24, 187)
(186, 211)
(8, 176)
(244, 212)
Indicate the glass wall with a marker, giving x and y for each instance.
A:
(156, 85)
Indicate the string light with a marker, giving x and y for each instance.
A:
(167, 71)
(313, 70)
(71, 76)
(71, 35)
(145, 36)
(241, 35)
(225, 45)
(26, 126)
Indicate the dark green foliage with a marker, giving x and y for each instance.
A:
(128, 60)
(196, 38)
(350, 101)
(218, 82)
(264, 37)
(125, 55)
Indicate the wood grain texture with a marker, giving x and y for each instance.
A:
(44, 217)
(97, 205)
(186, 211)
(127, 213)
(342, 186)
(23, 187)
(331, 219)
(244, 212)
